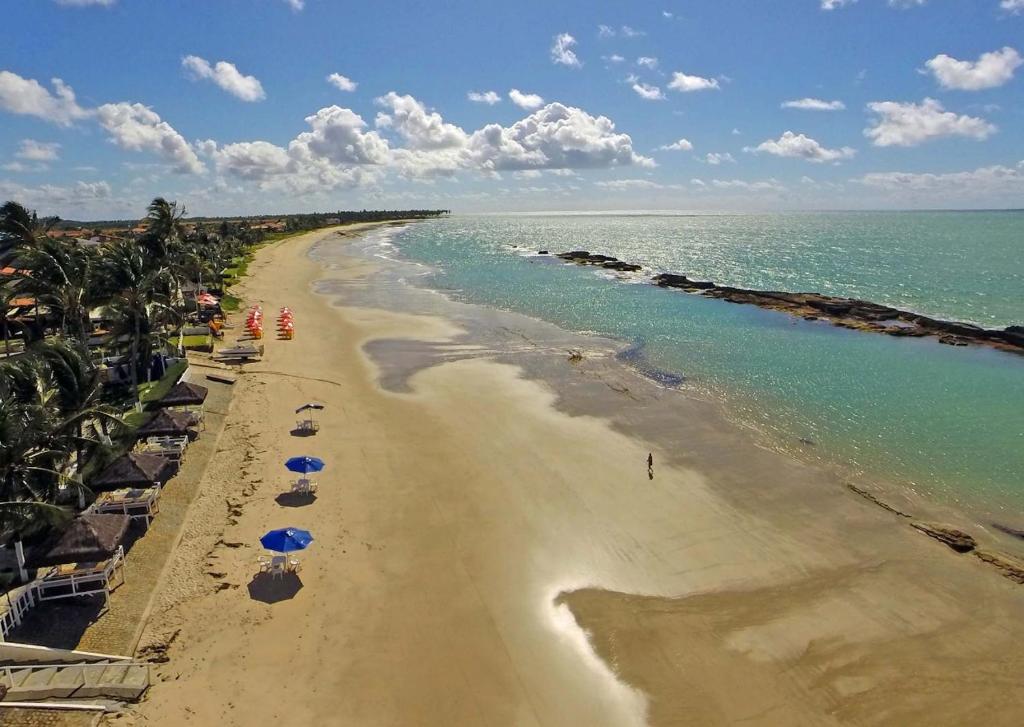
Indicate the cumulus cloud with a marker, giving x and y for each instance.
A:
(647, 62)
(342, 83)
(1012, 6)
(768, 185)
(337, 136)
(985, 181)
(834, 4)
(528, 101)
(686, 84)
(814, 104)
(910, 124)
(226, 76)
(989, 71)
(49, 196)
(606, 31)
(37, 151)
(798, 146)
(646, 91)
(296, 5)
(613, 58)
(26, 96)
(562, 52)
(681, 145)
(554, 137)
(716, 158)
(488, 97)
(421, 129)
(138, 128)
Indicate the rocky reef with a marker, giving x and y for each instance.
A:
(844, 312)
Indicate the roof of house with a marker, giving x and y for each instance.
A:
(185, 394)
(133, 469)
(89, 538)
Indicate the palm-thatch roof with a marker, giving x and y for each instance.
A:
(136, 469)
(88, 539)
(165, 423)
(184, 394)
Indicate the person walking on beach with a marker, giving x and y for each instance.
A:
(650, 465)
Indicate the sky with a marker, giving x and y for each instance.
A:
(276, 106)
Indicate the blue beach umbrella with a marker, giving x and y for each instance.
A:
(305, 465)
(285, 540)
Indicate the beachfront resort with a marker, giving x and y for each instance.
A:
(120, 348)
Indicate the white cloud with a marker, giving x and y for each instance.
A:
(420, 128)
(621, 185)
(37, 151)
(554, 137)
(814, 104)
(798, 146)
(85, 3)
(1013, 6)
(138, 128)
(613, 58)
(768, 185)
(562, 53)
(606, 31)
(527, 101)
(686, 84)
(26, 96)
(49, 197)
(833, 4)
(488, 97)
(910, 124)
(979, 183)
(647, 91)
(716, 158)
(667, 14)
(681, 145)
(647, 62)
(337, 136)
(226, 76)
(296, 5)
(342, 83)
(989, 71)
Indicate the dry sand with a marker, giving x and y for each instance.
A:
(482, 558)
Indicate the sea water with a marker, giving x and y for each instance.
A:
(944, 421)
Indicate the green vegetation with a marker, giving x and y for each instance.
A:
(61, 420)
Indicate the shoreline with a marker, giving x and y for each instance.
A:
(458, 551)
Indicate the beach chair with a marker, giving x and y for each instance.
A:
(264, 563)
(278, 566)
(294, 566)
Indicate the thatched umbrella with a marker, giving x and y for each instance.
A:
(89, 538)
(166, 423)
(136, 469)
(184, 394)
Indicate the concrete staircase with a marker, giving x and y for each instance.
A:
(114, 679)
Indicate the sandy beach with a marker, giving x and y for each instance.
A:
(484, 556)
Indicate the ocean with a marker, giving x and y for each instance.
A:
(946, 422)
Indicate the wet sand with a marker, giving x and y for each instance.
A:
(491, 551)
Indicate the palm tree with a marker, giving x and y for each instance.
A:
(136, 304)
(59, 275)
(79, 389)
(164, 228)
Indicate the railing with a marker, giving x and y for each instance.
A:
(81, 584)
(19, 606)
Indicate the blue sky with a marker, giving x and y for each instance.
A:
(228, 105)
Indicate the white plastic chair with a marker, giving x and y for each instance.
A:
(278, 565)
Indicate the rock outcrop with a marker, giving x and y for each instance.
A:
(958, 540)
(849, 313)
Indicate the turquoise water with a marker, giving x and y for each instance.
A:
(944, 421)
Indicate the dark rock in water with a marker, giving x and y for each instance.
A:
(809, 442)
(575, 255)
(621, 266)
(671, 280)
(1011, 567)
(958, 540)
(542, 252)
(1008, 530)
